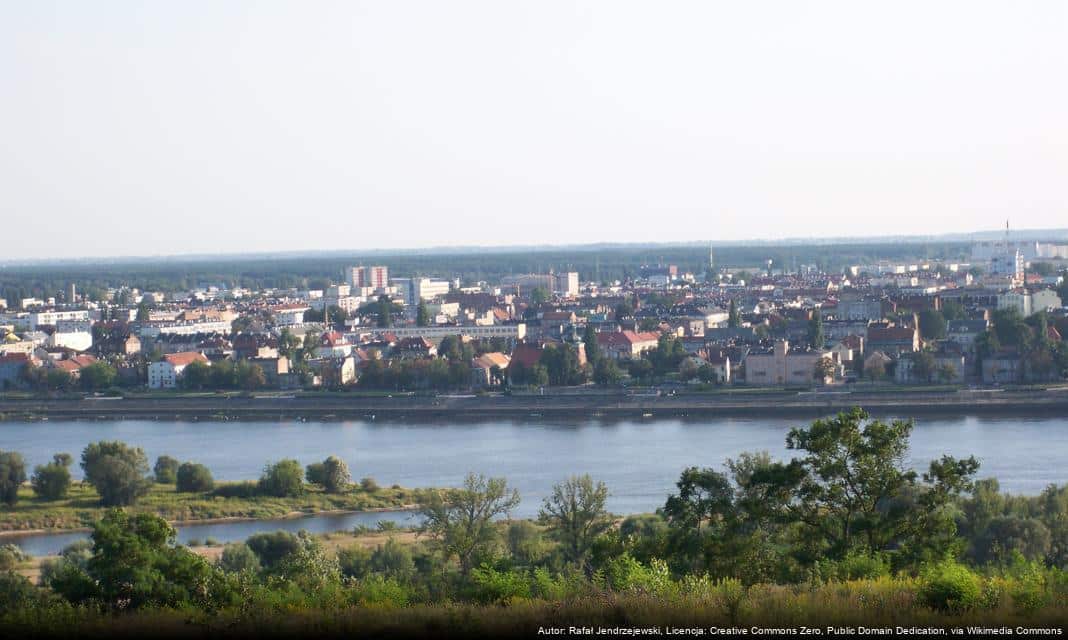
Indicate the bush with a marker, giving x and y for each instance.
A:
(16, 592)
(239, 557)
(952, 587)
(331, 474)
(12, 474)
(315, 473)
(194, 478)
(116, 471)
(10, 557)
(283, 479)
(354, 561)
(246, 489)
(272, 548)
(166, 470)
(50, 481)
(369, 485)
(494, 586)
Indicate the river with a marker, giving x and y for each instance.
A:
(639, 460)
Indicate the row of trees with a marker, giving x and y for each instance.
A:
(120, 475)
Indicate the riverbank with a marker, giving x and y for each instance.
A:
(555, 404)
(81, 508)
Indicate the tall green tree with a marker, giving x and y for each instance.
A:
(932, 324)
(850, 467)
(12, 475)
(422, 314)
(589, 343)
(117, 472)
(575, 515)
(733, 318)
(816, 338)
(461, 520)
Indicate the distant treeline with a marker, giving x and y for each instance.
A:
(592, 264)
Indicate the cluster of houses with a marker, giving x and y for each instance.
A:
(755, 326)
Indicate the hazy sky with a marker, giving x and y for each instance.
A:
(177, 127)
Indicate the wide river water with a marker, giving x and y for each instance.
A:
(639, 460)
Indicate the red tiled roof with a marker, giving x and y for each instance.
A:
(184, 358)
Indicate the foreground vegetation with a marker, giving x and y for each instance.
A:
(842, 534)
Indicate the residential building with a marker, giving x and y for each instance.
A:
(785, 366)
(166, 373)
(622, 345)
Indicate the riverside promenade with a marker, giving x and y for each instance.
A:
(570, 403)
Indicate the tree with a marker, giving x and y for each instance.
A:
(96, 376)
(238, 558)
(851, 469)
(196, 375)
(733, 318)
(575, 515)
(562, 365)
(331, 474)
(58, 380)
(824, 369)
(12, 475)
(135, 564)
(606, 372)
(166, 470)
(117, 472)
(924, 366)
(422, 314)
(952, 310)
(194, 478)
(283, 479)
(589, 343)
(461, 520)
(815, 330)
(539, 296)
(385, 311)
(52, 481)
(874, 369)
(249, 376)
(932, 324)
(336, 478)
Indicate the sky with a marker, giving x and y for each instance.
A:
(145, 128)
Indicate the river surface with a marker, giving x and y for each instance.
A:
(639, 460)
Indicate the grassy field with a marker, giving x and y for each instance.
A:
(82, 506)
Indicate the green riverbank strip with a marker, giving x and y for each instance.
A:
(81, 508)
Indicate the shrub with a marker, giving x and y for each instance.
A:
(16, 592)
(272, 548)
(494, 586)
(952, 587)
(381, 591)
(194, 478)
(354, 561)
(12, 474)
(315, 473)
(239, 557)
(283, 479)
(246, 489)
(50, 481)
(10, 557)
(166, 470)
(369, 485)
